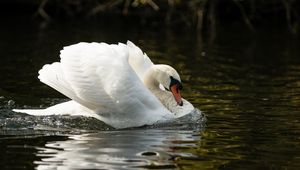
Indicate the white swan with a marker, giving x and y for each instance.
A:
(117, 84)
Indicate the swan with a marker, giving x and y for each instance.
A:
(115, 83)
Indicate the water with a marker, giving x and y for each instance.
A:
(247, 85)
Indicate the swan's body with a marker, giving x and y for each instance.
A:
(117, 84)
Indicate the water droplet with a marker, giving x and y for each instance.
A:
(10, 102)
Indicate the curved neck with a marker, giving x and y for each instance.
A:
(151, 82)
(150, 79)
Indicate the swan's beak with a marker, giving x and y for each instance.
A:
(176, 93)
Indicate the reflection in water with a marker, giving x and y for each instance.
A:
(118, 150)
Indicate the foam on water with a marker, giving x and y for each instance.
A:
(10, 120)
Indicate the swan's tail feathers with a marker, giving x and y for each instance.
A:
(34, 112)
(59, 109)
(71, 108)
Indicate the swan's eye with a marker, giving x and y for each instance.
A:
(175, 82)
(180, 86)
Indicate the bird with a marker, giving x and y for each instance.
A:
(114, 83)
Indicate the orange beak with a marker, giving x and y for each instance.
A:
(176, 93)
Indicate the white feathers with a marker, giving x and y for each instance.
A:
(104, 81)
(139, 62)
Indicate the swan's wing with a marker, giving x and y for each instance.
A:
(53, 76)
(100, 77)
(138, 60)
(80, 64)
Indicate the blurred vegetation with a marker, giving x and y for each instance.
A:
(199, 14)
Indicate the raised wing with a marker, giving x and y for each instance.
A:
(99, 77)
(138, 60)
(53, 76)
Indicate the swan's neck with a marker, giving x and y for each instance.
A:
(151, 82)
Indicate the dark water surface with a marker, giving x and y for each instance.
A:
(247, 85)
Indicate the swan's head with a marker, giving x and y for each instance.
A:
(169, 78)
